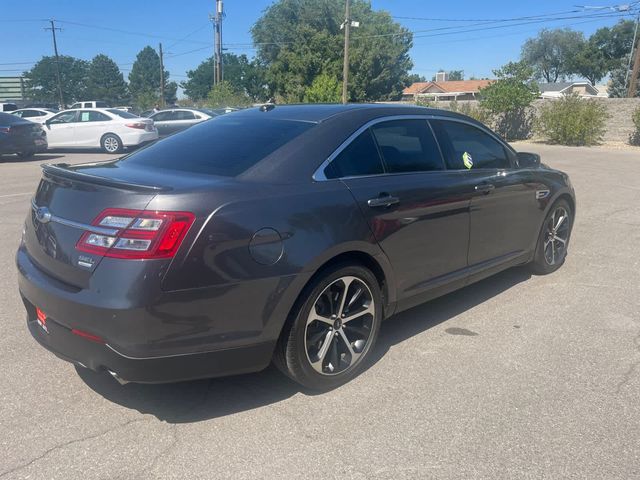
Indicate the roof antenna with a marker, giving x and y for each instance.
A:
(270, 105)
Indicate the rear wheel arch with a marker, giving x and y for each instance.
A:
(351, 257)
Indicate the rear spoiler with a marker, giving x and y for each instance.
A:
(64, 170)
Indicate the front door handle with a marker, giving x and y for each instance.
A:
(383, 201)
(485, 188)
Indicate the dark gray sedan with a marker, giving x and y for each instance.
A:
(175, 120)
(282, 233)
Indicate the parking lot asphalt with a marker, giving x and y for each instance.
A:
(517, 376)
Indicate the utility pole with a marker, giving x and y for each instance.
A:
(161, 77)
(345, 67)
(636, 63)
(53, 29)
(218, 74)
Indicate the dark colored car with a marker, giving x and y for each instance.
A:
(285, 233)
(22, 137)
(175, 120)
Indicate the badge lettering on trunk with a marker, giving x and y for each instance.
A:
(85, 261)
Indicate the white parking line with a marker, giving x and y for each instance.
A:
(15, 194)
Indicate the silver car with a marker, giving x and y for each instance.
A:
(175, 120)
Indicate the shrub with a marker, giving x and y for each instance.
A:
(572, 121)
(476, 112)
(635, 136)
(425, 102)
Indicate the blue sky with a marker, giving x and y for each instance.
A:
(23, 39)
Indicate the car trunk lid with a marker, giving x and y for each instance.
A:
(66, 203)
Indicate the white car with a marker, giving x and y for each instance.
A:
(36, 115)
(107, 128)
(91, 104)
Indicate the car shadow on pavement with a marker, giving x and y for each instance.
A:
(195, 401)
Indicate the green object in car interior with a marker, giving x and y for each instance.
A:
(467, 159)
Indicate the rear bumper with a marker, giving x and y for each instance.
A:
(135, 138)
(68, 346)
(146, 344)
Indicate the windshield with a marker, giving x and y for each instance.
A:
(225, 145)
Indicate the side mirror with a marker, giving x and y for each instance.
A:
(528, 160)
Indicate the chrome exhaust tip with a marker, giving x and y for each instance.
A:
(118, 379)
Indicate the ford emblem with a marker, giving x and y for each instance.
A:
(43, 215)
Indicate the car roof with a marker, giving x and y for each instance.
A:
(318, 113)
(333, 125)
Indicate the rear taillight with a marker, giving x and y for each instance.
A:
(136, 234)
(140, 125)
(5, 129)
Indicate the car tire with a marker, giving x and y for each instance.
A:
(323, 329)
(553, 239)
(25, 155)
(111, 143)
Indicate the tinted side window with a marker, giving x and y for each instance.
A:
(101, 105)
(159, 117)
(184, 115)
(407, 146)
(172, 115)
(467, 147)
(360, 157)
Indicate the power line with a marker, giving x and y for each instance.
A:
(187, 36)
(128, 32)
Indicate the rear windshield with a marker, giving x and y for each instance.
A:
(225, 145)
(121, 113)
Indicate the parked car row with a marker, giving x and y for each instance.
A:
(88, 125)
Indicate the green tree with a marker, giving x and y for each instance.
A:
(171, 93)
(552, 52)
(508, 99)
(619, 83)
(615, 42)
(105, 81)
(590, 63)
(606, 52)
(42, 82)
(301, 39)
(244, 75)
(412, 78)
(224, 94)
(324, 89)
(144, 78)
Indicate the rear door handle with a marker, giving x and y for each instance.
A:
(485, 188)
(383, 201)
